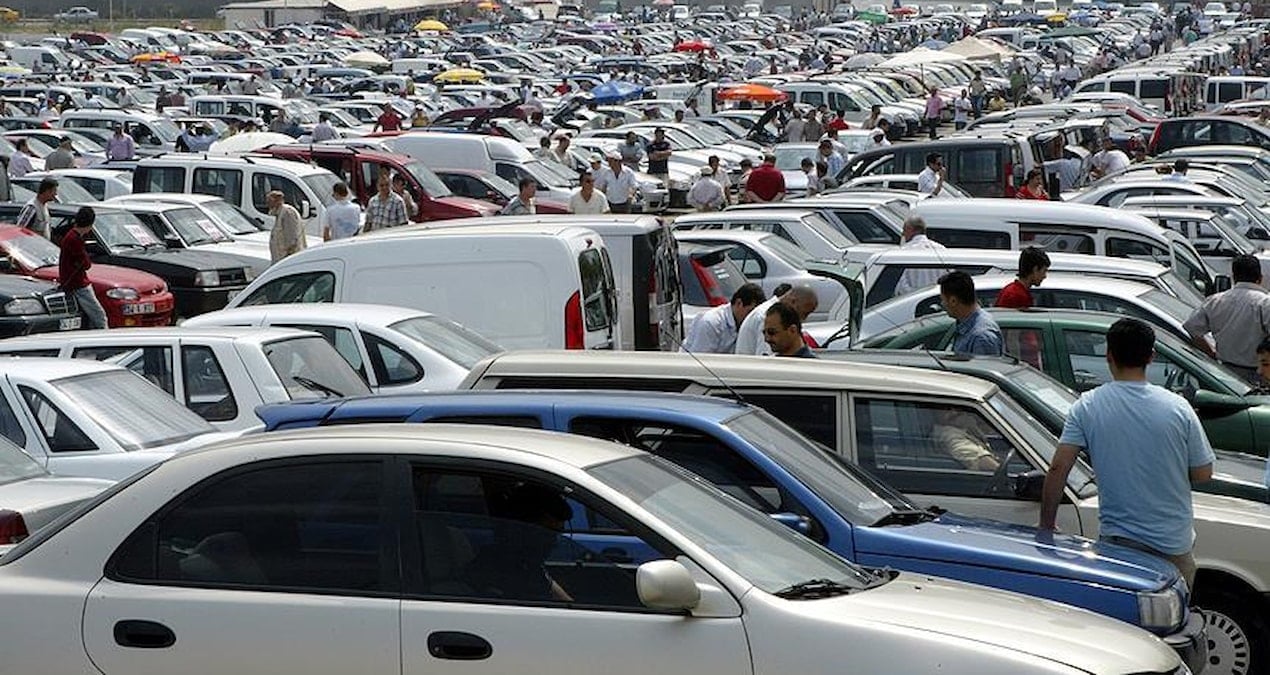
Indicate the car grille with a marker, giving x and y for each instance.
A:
(234, 276)
(60, 303)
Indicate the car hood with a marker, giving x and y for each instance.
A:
(988, 544)
(112, 276)
(795, 181)
(186, 259)
(1084, 640)
(483, 208)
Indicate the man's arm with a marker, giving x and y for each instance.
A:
(1055, 480)
(1197, 326)
(1202, 474)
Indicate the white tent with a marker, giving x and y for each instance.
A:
(918, 56)
(974, 48)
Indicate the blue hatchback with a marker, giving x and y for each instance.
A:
(769, 466)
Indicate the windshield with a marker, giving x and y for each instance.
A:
(431, 183)
(449, 339)
(500, 185)
(322, 184)
(194, 227)
(68, 191)
(541, 172)
(309, 367)
(135, 413)
(1173, 307)
(1181, 289)
(1041, 439)
(790, 253)
(165, 129)
(858, 498)
(791, 159)
(766, 553)
(31, 252)
(827, 231)
(16, 465)
(231, 220)
(119, 229)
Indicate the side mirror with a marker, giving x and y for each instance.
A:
(795, 522)
(172, 241)
(1258, 233)
(306, 209)
(6, 265)
(1029, 485)
(1222, 283)
(1213, 404)
(96, 248)
(666, 584)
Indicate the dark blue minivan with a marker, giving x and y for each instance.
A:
(766, 464)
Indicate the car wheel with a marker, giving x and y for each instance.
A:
(1237, 634)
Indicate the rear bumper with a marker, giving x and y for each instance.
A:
(1190, 642)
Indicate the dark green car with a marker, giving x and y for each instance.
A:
(1071, 347)
(1235, 474)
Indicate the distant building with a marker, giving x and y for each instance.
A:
(360, 13)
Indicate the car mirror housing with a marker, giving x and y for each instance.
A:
(666, 584)
(795, 522)
(1029, 485)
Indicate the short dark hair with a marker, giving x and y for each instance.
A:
(340, 188)
(1264, 346)
(1245, 267)
(526, 182)
(749, 294)
(47, 184)
(1181, 165)
(1130, 343)
(788, 315)
(85, 217)
(782, 289)
(932, 157)
(1032, 259)
(959, 285)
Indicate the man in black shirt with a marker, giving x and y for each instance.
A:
(659, 155)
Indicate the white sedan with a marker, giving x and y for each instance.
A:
(394, 349)
(471, 550)
(31, 497)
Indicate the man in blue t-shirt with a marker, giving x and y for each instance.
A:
(1146, 446)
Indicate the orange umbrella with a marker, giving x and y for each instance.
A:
(752, 92)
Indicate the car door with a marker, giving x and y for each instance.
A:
(495, 589)
(952, 455)
(278, 566)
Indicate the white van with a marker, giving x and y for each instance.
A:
(40, 59)
(1220, 90)
(243, 182)
(1177, 93)
(502, 156)
(549, 286)
(1064, 228)
(153, 133)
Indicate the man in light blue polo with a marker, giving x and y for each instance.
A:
(976, 332)
(1146, 445)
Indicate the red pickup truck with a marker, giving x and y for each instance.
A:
(360, 169)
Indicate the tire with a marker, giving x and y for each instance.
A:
(1237, 633)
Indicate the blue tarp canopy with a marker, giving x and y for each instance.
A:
(615, 91)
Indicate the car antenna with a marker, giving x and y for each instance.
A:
(735, 394)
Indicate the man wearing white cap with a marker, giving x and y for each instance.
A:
(706, 194)
(618, 183)
(879, 139)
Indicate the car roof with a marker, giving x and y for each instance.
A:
(748, 236)
(186, 158)
(575, 451)
(44, 368)
(105, 174)
(605, 224)
(996, 367)
(1098, 263)
(1124, 288)
(247, 334)
(1164, 212)
(725, 370)
(169, 197)
(360, 312)
(472, 227)
(747, 213)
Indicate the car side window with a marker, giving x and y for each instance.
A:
(959, 238)
(1057, 242)
(152, 363)
(1118, 247)
(159, 179)
(317, 527)
(1026, 344)
(60, 433)
(10, 427)
(931, 448)
(813, 415)
(224, 183)
(207, 390)
(305, 287)
(1087, 356)
(392, 366)
(507, 172)
(341, 339)
(752, 266)
(263, 183)
(504, 538)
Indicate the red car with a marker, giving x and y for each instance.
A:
(130, 297)
(484, 185)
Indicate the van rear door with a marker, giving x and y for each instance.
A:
(590, 316)
(665, 290)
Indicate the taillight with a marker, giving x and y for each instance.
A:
(1168, 103)
(1155, 138)
(654, 325)
(1009, 179)
(574, 330)
(12, 527)
(709, 285)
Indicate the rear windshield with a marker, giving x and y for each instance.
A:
(309, 367)
(448, 339)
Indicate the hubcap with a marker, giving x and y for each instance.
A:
(1229, 652)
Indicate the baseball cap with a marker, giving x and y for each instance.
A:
(595, 157)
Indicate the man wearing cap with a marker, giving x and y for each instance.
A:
(706, 194)
(618, 182)
(61, 158)
(766, 183)
(120, 146)
(878, 139)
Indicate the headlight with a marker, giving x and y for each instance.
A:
(123, 294)
(207, 278)
(1160, 610)
(250, 273)
(651, 185)
(24, 306)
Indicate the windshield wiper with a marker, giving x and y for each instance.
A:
(314, 385)
(813, 589)
(904, 517)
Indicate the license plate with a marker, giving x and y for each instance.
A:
(139, 308)
(70, 324)
(230, 295)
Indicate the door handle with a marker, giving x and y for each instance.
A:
(458, 646)
(142, 634)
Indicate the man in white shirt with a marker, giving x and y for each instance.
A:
(706, 194)
(343, 218)
(20, 161)
(714, 331)
(879, 139)
(1109, 160)
(323, 131)
(588, 201)
(931, 180)
(749, 337)
(618, 183)
(915, 278)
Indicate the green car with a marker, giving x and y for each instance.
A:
(1235, 474)
(1071, 347)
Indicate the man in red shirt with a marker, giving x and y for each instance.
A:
(766, 183)
(839, 122)
(73, 265)
(1034, 265)
(389, 120)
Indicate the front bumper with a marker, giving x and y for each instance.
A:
(1190, 643)
(653, 201)
(201, 300)
(13, 326)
